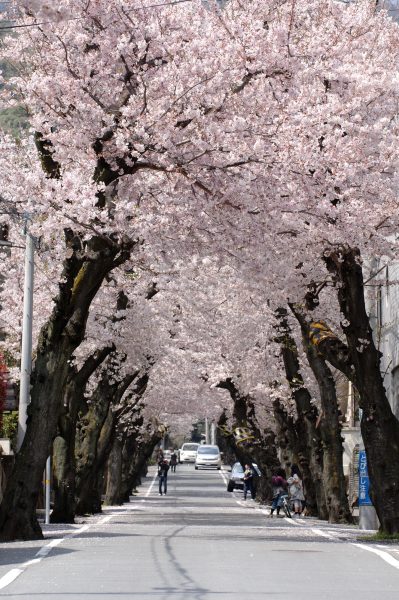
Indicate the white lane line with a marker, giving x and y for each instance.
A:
(10, 577)
(223, 476)
(324, 534)
(151, 485)
(46, 549)
(34, 561)
(292, 521)
(105, 520)
(384, 555)
(44, 552)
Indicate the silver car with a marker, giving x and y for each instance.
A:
(208, 456)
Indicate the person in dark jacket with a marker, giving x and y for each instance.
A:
(249, 482)
(163, 469)
(279, 488)
(173, 462)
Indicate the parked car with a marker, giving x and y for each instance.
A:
(188, 453)
(208, 456)
(236, 479)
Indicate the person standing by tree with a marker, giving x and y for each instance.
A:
(163, 468)
(296, 493)
(248, 482)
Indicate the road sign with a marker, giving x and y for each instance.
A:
(364, 482)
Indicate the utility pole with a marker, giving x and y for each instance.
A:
(47, 484)
(26, 352)
(213, 433)
(206, 430)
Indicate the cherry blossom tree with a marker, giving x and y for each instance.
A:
(261, 139)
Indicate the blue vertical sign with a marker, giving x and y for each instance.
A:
(364, 482)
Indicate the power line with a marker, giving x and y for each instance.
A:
(23, 26)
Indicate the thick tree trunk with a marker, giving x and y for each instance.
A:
(84, 271)
(287, 441)
(135, 457)
(379, 426)
(64, 464)
(94, 442)
(330, 430)
(114, 474)
(260, 448)
(310, 446)
(64, 481)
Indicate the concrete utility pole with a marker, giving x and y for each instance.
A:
(213, 433)
(26, 353)
(206, 430)
(47, 483)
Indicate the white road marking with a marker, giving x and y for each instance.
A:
(44, 552)
(223, 476)
(292, 521)
(384, 555)
(323, 534)
(46, 549)
(151, 485)
(105, 519)
(34, 561)
(10, 577)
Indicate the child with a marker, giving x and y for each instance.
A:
(278, 485)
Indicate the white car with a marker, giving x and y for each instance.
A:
(208, 456)
(188, 453)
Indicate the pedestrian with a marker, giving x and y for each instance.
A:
(159, 455)
(296, 493)
(248, 482)
(173, 462)
(163, 468)
(279, 486)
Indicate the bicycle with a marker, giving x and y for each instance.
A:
(285, 505)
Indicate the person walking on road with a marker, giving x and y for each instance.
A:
(163, 469)
(173, 462)
(248, 482)
(296, 493)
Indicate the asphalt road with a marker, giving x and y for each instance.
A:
(198, 543)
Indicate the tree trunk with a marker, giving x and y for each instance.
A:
(94, 442)
(287, 440)
(260, 447)
(84, 272)
(114, 474)
(379, 426)
(134, 462)
(64, 464)
(330, 430)
(309, 440)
